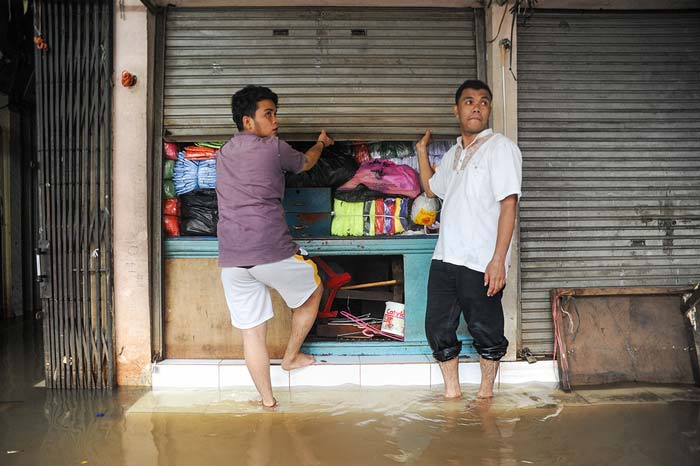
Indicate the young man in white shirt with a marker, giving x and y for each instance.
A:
(479, 182)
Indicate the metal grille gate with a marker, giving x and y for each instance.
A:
(609, 126)
(74, 260)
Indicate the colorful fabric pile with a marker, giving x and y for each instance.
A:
(387, 216)
(400, 152)
(189, 176)
(377, 195)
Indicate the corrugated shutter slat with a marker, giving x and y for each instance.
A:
(609, 126)
(393, 82)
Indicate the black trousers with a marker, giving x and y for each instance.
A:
(454, 290)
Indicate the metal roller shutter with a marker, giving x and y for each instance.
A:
(609, 126)
(372, 73)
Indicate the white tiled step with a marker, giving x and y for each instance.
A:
(368, 371)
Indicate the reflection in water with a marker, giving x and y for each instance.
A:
(522, 425)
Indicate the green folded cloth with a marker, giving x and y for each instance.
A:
(347, 218)
(210, 144)
(169, 189)
(168, 168)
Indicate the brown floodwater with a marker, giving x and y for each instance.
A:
(525, 424)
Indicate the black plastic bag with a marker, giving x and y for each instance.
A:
(200, 213)
(200, 198)
(336, 166)
(198, 221)
(361, 193)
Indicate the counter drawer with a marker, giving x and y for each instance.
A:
(307, 200)
(309, 224)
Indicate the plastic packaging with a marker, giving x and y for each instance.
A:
(169, 189)
(332, 170)
(393, 321)
(170, 150)
(171, 223)
(168, 167)
(361, 152)
(172, 207)
(391, 149)
(386, 177)
(199, 152)
(200, 214)
(424, 210)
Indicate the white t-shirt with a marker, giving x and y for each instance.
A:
(471, 198)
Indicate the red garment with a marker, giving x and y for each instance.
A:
(170, 150)
(199, 153)
(172, 207)
(171, 224)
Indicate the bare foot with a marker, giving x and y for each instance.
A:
(484, 395)
(452, 396)
(480, 405)
(300, 360)
(272, 405)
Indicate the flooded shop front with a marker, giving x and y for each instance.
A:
(376, 79)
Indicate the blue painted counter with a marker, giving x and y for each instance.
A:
(417, 252)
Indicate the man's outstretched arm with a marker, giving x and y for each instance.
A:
(424, 168)
(312, 155)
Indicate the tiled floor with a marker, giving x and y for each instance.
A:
(364, 371)
(245, 400)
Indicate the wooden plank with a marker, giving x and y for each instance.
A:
(197, 323)
(640, 291)
(691, 300)
(611, 339)
(693, 329)
(370, 285)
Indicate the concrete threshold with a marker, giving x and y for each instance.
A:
(330, 371)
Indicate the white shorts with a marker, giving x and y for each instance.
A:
(248, 296)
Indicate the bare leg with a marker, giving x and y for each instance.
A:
(303, 318)
(450, 373)
(489, 369)
(258, 361)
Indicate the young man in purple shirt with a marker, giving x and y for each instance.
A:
(256, 250)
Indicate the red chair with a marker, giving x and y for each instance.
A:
(333, 284)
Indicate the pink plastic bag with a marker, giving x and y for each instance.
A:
(386, 177)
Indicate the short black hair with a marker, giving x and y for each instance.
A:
(472, 84)
(245, 102)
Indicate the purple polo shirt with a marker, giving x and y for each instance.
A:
(252, 229)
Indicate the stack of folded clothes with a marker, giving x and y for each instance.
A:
(385, 216)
